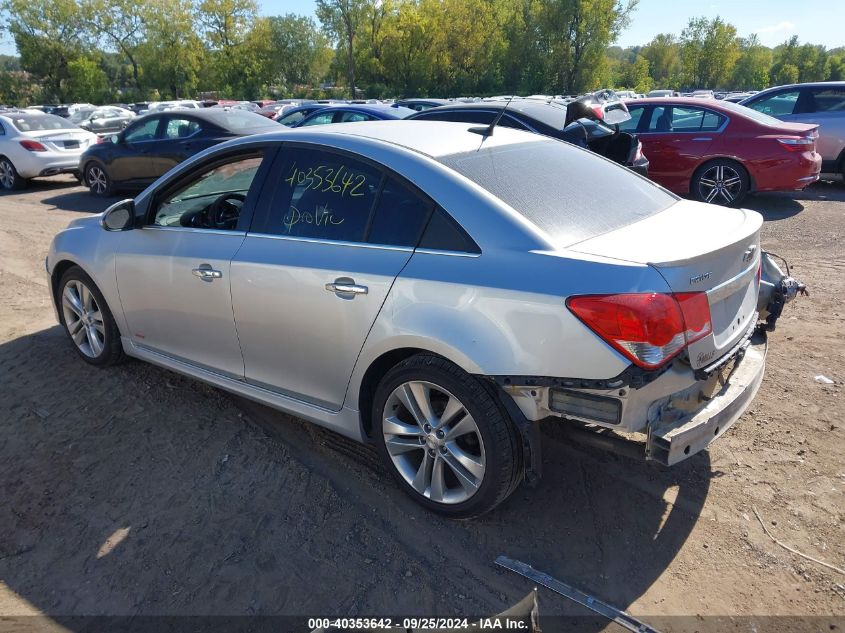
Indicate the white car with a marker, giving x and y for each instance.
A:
(174, 105)
(34, 144)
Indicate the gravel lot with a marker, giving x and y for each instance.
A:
(134, 491)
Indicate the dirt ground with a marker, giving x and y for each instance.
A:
(134, 491)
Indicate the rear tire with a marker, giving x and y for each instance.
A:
(87, 319)
(459, 454)
(97, 180)
(721, 181)
(10, 179)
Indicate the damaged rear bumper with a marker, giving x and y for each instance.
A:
(670, 443)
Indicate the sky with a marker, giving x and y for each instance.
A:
(774, 21)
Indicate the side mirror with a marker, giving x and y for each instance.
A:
(120, 216)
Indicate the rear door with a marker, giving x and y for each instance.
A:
(315, 268)
(675, 138)
(825, 107)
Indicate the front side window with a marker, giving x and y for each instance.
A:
(778, 104)
(323, 196)
(180, 128)
(211, 200)
(291, 118)
(143, 131)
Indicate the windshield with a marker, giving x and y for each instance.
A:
(751, 113)
(38, 122)
(80, 115)
(570, 193)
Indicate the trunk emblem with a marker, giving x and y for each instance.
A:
(748, 255)
(699, 278)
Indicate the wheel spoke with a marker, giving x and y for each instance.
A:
(400, 445)
(407, 398)
(727, 195)
(470, 462)
(94, 341)
(453, 408)
(465, 425)
(423, 478)
(438, 483)
(422, 396)
(395, 426)
(730, 182)
(707, 182)
(466, 480)
(80, 334)
(71, 301)
(710, 196)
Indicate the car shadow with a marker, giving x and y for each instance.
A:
(781, 205)
(81, 200)
(135, 491)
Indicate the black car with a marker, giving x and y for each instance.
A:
(154, 143)
(422, 104)
(588, 122)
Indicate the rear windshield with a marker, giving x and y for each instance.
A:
(38, 122)
(569, 193)
(237, 120)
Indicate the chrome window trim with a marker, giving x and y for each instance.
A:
(315, 240)
(434, 251)
(190, 229)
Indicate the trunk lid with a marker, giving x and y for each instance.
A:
(62, 140)
(697, 248)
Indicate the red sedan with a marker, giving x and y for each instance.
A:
(718, 151)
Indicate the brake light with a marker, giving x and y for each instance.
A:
(599, 112)
(647, 328)
(33, 146)
(796, 144)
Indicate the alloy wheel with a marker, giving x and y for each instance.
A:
(7, 174)
(97, 179)
(434, 442)
(83, 318)
(720, 184)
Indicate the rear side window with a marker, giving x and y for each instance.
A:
(323, 118)
(570, 193)
(323, 196)
(631, 124)
(351, 117)
(400, 216)
(828, 99)
(444, 234)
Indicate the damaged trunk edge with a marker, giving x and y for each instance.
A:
(676, 419)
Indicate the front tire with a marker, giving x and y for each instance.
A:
(446, 438)
(97, 180)
(10, 179)
(721, 181)
(87, 319)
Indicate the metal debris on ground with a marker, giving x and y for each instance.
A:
(824, 380)
(602, 608)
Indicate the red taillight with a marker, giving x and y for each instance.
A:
(33, 146)
(599, 112)
(796, 144)
(648, 328)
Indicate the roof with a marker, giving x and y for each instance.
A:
(680, 101)
(431, 138)
(372, 108)
(551, 114)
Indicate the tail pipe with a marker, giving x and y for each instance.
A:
(776, 289)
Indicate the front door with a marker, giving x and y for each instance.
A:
(130, 158)
(315, 269)
(178, 142)
(174, 274)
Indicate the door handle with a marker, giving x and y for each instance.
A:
(207, 273)
(346, 286)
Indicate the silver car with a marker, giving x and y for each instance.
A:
(432, 289)
(820, 103)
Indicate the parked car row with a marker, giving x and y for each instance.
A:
(713, 150)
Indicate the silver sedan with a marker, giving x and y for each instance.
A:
(433, 289)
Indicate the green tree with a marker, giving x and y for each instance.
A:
(226, 27)
(118, 25)
(172, 54)
(709, 50)
(86, 81)
(785, 74)
(663, 53)
(300, 53)
(635, 76)
(48, 38)
(752, 68)
(342, 20)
